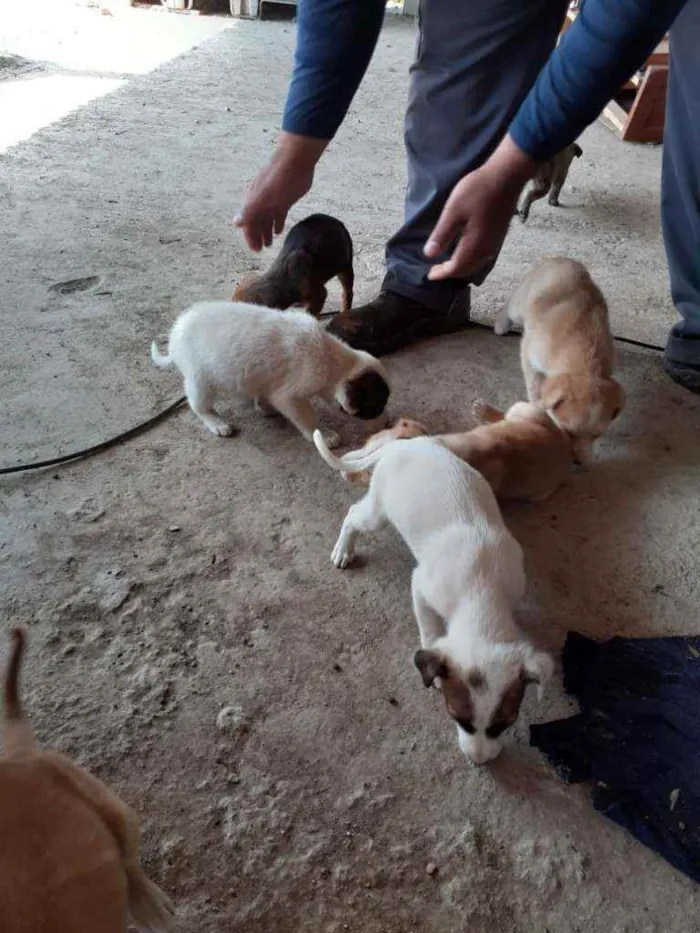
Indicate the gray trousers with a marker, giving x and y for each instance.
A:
(476, 60)
(680, 184)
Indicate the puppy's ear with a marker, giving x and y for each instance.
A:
(554, 392)
(538, 668)
(430, 664)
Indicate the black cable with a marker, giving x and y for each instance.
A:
(628, 340)
(97, 448)
(162, 415)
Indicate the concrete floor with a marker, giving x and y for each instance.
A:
(190, 642)
(70, 52)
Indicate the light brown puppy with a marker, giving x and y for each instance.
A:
(567, 351)
(69, 849)
(403, 429)
(522, 453)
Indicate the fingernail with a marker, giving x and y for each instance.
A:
(431, 248)
(238, 220)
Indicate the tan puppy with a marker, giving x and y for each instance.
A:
(522, 453)
(69, 849)
(403, 429)
(567, 351)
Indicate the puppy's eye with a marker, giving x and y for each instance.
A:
(493, 731)
(466, 725)
(615, 413)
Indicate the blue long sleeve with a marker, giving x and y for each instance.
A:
(335, 42)
(609, 41)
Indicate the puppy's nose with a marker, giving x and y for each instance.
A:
(481, 756)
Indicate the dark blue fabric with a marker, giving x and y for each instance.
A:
(637, 738)
(335, 42)
(610, 40)
(680, 184)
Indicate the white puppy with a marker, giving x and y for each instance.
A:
(468, 578)
(225, 348)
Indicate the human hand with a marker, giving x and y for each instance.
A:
(478, 212)
(286, 178)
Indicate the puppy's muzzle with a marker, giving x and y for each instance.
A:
(367, 395)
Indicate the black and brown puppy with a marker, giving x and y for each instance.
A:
(550, 179)
(315, 250)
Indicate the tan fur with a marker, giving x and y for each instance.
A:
(403, 429)
(567, 351)
(69, 859)
(522, 453)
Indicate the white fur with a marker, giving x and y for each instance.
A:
(469, 572)
(282, 360)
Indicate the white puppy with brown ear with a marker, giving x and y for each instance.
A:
(567, 350)
(468, 578)
(226, 348)
(69, 858)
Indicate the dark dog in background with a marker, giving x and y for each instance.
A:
(315, 250)
(549, 179)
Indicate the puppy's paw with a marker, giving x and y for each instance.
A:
(332, 439)
(480, 410)
(341, 556)
(501, 326)
(222, 429)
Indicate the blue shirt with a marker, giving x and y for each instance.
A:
(609, 41)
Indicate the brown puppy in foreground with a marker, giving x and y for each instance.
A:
(315, 250)
(69, 849)
(567, 351)
(549, 179)
(522, 454)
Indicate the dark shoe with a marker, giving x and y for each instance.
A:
(684, 374)
(390, 322)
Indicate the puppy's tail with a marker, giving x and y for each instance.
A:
(352, 462)
(159, 358)
(18, 735)
(150, 908)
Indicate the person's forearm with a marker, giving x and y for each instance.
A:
(335, 42)
(609, 41)
(302, 151)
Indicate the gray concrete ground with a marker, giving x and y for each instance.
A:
(190, 641)
(69, 52)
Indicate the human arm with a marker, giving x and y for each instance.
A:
(335, 42)
(608, 42)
